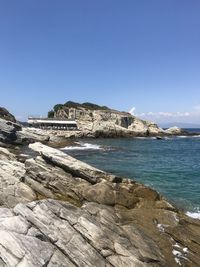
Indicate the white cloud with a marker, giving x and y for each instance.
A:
(192, 115)
(197, 108)
(165, 114)
(150, 113)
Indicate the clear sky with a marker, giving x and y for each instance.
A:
(120, 53)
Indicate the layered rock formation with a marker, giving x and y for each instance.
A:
(6, 115)
(58, 211)
(101, 121)
(15, 134)
(8, 131)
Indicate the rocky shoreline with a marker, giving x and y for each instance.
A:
(58, 211)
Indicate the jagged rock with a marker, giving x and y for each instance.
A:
(13, 133)
(8, 131)
(6, 115)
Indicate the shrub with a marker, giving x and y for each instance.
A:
(51, 114)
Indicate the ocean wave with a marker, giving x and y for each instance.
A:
(83, 146)
(194, 215)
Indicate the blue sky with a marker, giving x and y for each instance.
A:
(120, 53)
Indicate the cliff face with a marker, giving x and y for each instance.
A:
(104, 121)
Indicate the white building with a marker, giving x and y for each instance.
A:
(52, 123)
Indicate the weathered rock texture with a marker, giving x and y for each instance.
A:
(8, 131)
(58, 211)
(174, 131)
(102, 121)
(6, 115)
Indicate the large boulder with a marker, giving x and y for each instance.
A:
(31, 135)
(6, 115)
(8, 131)
(174, 131)
(14, 133)
(71, 165)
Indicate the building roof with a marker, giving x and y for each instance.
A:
(51, 120)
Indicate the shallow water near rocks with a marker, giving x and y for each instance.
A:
(171, 166)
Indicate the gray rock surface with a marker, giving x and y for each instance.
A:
(8, 131)
(5, 154)
(70, 164)
(12, 190)
(30, 135)
(14, 133)
(58, 211)
(6, 115)
(53, 233)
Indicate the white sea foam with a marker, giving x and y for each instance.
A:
(185, 250)
(194, 215)
(83, 146)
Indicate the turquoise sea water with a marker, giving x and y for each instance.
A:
(170, 166)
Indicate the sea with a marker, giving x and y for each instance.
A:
(170, 166)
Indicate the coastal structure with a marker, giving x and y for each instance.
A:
(52, 123)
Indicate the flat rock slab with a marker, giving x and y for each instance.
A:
(54, 233)
(70, 164)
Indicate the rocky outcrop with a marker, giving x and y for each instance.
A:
(102, 121)
(59, 211)
(12, 190)
(53, 233)
(175, 131)
(8, 131)
(6, 115)
(14, 133)
(30, 135)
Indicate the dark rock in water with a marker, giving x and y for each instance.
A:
(160, 138)
(6, 115)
